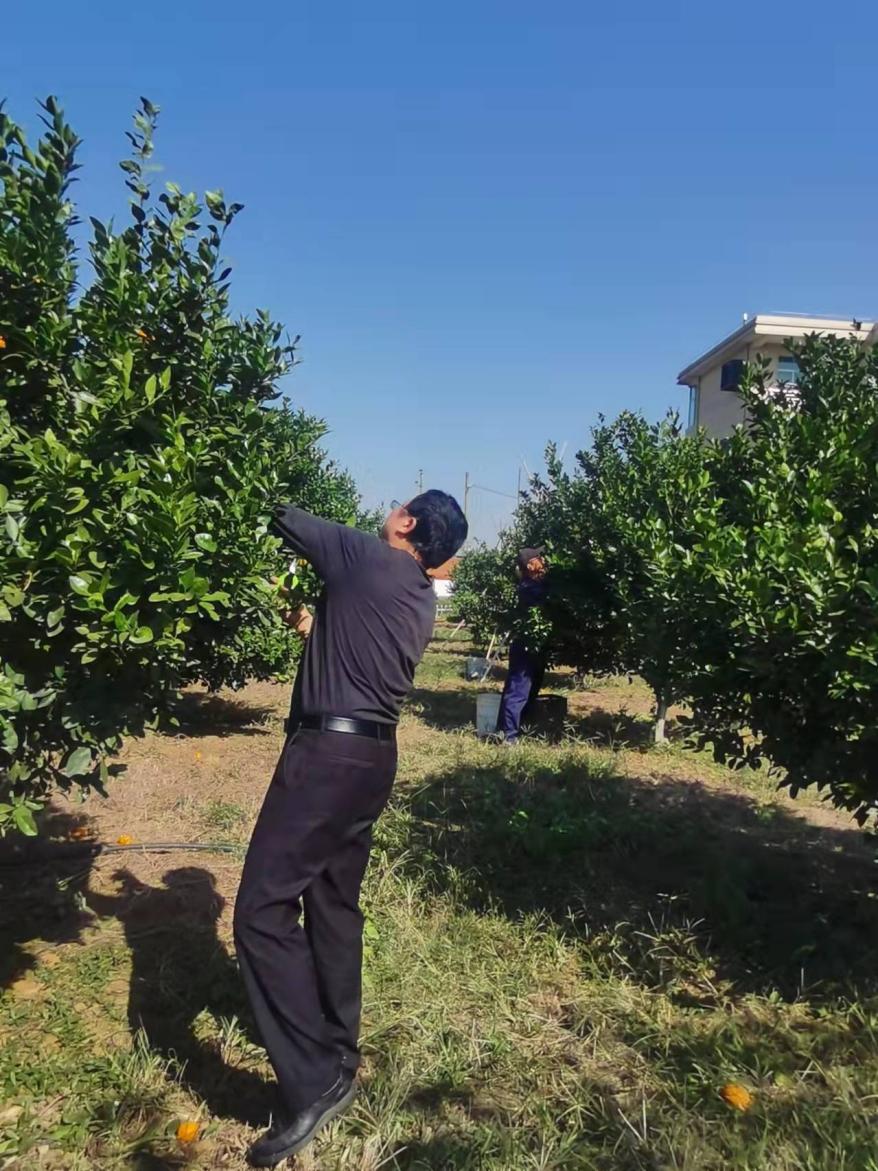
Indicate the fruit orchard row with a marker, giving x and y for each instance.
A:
(737, 575)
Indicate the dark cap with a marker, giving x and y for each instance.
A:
(525, 555)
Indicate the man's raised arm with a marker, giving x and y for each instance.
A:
(328, 546)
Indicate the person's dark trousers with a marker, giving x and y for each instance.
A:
(310, 849)
(523, 682)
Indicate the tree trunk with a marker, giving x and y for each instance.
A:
(661, 716)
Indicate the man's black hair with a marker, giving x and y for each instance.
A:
(441, 527)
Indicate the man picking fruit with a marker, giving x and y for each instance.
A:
(527, 667)
(298, 926)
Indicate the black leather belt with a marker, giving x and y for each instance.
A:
(369, 728)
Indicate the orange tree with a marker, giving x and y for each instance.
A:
(141, 450)
(785, 588)
(739, 575)
(486, 599)
(619, 537)
(484, 592)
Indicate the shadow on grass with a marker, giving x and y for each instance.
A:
(443, 1153)
(202, 714)
(179, 965)
(179, 969)
(607, 728)
(446, 710)
(41, 902)
(454, 708)
(762, 898)
(428, 1099)
(451, 646)
(150, 1161)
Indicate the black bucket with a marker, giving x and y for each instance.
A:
(546, 716)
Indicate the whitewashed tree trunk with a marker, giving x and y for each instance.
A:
(661, 718)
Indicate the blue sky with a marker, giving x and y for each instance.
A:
(489, 221)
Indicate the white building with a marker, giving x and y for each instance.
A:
(714, 378)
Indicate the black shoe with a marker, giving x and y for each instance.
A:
(288, 1136)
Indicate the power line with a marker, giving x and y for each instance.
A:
(482, 488)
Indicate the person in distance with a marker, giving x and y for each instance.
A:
(527, 668)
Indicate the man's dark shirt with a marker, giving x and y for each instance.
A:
(372, 623)
(531, 593)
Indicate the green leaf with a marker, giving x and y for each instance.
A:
(12, 595)
(206, 542)
(54, 617)
(12, 527)
(127, 365)
(215, 204)
(142, 634)
(24, 820)
(80, 584)
(78, 763)
(10, 738)
(217, 596)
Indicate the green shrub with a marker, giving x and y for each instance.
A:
(786, 587)
(619, 537)
(484, 592)
(140, 455)
(739, 575)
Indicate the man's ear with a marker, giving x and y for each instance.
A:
(406, 525)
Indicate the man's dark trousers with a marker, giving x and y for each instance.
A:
(310, 848)
(523, 683)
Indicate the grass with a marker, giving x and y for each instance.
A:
(570, 948)
(226, 816)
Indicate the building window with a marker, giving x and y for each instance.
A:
(693, 408)
(787, 371)
(731, 374)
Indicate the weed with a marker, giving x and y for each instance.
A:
(223, 815)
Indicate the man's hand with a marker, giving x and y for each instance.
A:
(300, 619)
